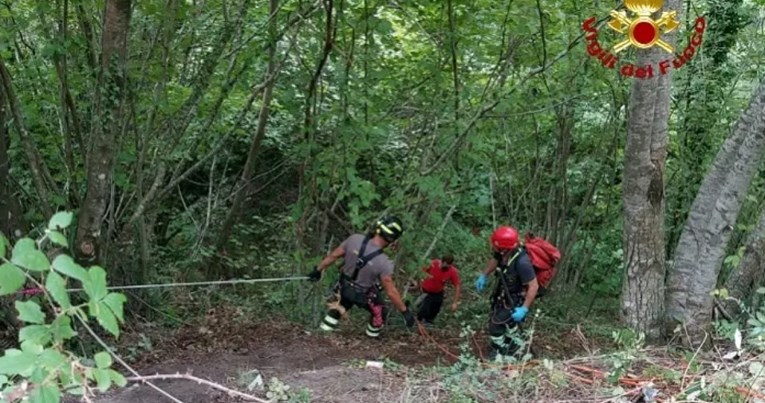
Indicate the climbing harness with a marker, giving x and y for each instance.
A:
(348, 286)
(502, 292)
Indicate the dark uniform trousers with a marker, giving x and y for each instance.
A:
(369, 300)
(501, 324)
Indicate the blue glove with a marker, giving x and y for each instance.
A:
(519, 313)
(481, 282)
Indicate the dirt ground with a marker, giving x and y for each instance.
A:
(328, 368)
(226, 346)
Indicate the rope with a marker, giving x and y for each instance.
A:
(199, 283)
(32, 291)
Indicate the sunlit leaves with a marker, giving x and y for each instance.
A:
(11, 279)
(30, 312)
(60, 220)
(66, 265)
(26, 255)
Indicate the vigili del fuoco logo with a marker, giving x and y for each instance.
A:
(642, 32)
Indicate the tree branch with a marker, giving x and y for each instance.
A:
(121, 361)
(189, 377)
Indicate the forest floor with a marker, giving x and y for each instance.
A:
(573, 364)
(226, 347)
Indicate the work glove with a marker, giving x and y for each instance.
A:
(519, 313)
(315, 275)
(408, 318)
(481, 282)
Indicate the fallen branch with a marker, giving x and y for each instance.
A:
(589, 370)
(749, 393)
(121, 361)
(189, 377)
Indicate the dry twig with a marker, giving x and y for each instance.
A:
(189, 377)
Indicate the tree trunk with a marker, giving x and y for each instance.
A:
(11, 217)
(643, 196)
(249, 167)
(110, 96)
(36, 163)
(702, 244)
(742, 280)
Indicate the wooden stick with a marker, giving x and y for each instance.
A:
(748, 393)
(588, 370)
(580, 379)
(122, 362)
(189, 377)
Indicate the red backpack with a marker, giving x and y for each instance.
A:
(543, 256)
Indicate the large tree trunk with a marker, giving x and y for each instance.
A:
(702, 244)
(643, 195)
(110, 96)
(741, 281)
(707, 84)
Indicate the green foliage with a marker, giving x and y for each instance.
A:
(630, 349)
(43, 363)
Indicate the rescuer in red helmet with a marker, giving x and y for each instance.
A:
(514, 293)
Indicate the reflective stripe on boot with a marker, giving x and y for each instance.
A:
(329, 323)
(373, 331)
(498, 342)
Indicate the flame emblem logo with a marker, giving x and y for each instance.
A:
(643, 32)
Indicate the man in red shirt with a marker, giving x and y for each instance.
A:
(440, 272)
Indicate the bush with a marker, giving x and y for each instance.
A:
(42, 368)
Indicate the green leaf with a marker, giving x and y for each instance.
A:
(3, 244)
(96, 287)
(26, 255)
(103, 360)
(66, 265)
(76, 391)
(3, 380)
(761, 290)
(103, 378)
(53, 360)
(107, 320)
(115, 302)
(61, 328)
(117, 378)
(38, 375)
(11, 279)
(16, 362)
(760, 316)
(29, 346)
(62, 219)
(45, 394)
(58, 238)
(39, 334)
(56, 286)
(30, 312)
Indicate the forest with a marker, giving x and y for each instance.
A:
(172, 172)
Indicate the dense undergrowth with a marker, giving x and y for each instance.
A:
(579, 348)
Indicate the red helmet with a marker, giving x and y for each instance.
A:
(504, 237)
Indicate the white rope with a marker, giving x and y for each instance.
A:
(199, 283)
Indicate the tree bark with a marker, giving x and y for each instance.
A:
(109, 105)
(707, 82)
(249, 166)
(643, 196)
(702, 244)
(36, 164)
(742, 281)
(11, 218)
